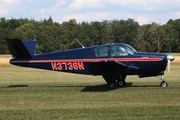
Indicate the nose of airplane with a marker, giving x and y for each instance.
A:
(170, 57)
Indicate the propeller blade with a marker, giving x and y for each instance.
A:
(170, 58)
(169, 66)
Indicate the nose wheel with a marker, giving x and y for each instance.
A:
(163, 82)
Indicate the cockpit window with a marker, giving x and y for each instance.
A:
(129, 48)
(101, 51)
(118, 50)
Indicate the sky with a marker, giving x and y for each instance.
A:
(142, 11)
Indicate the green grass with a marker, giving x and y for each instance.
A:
(32, 94)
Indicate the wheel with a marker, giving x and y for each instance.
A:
(121, 83)
(163, 84)
(112, 85)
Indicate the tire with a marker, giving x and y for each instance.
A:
(163, 84)
(112, 85)
(121, 83)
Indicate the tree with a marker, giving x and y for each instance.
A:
(124, 31)
(53, 36)
(173, 28)
(157, 36)
(140, 43)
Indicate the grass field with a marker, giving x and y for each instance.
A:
(32, 94)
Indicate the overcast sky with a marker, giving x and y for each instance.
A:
(142, 11)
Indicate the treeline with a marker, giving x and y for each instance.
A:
(53, 36)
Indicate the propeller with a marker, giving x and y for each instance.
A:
(169, 59)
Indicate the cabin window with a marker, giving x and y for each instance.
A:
(101, 51)
(117, 50)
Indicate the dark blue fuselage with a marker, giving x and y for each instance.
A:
(79, 60)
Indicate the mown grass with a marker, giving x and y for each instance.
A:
(32, 94)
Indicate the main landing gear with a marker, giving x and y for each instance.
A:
(118, 83)
(115, 80)
(163, 82)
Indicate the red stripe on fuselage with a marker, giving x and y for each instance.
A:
(88, 60)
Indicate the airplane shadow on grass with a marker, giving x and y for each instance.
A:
(17, 86)
(104, 88)
(97, 88)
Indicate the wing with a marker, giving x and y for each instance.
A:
(99, 68)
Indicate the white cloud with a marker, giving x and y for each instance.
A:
(80, 4)
(8, 1)
(87, 17)
(128, 2)
(177, 14)
(8, 6)
(2, 11)
(142, 19)
(143, 11)
(145, 5)
(61, 3)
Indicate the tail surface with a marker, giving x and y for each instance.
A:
(21, 48)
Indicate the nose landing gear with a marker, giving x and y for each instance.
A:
(163, 82)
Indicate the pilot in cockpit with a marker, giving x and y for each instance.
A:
(118, 51)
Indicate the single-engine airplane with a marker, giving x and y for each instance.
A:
(112, 61)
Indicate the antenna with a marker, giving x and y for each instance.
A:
(79, 43)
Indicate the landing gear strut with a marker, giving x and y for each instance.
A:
(163, 82)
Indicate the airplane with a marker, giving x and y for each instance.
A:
(112, 61)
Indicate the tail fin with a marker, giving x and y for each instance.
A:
(21, 49)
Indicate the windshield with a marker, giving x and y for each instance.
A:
(129, 49)
(118, 50)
